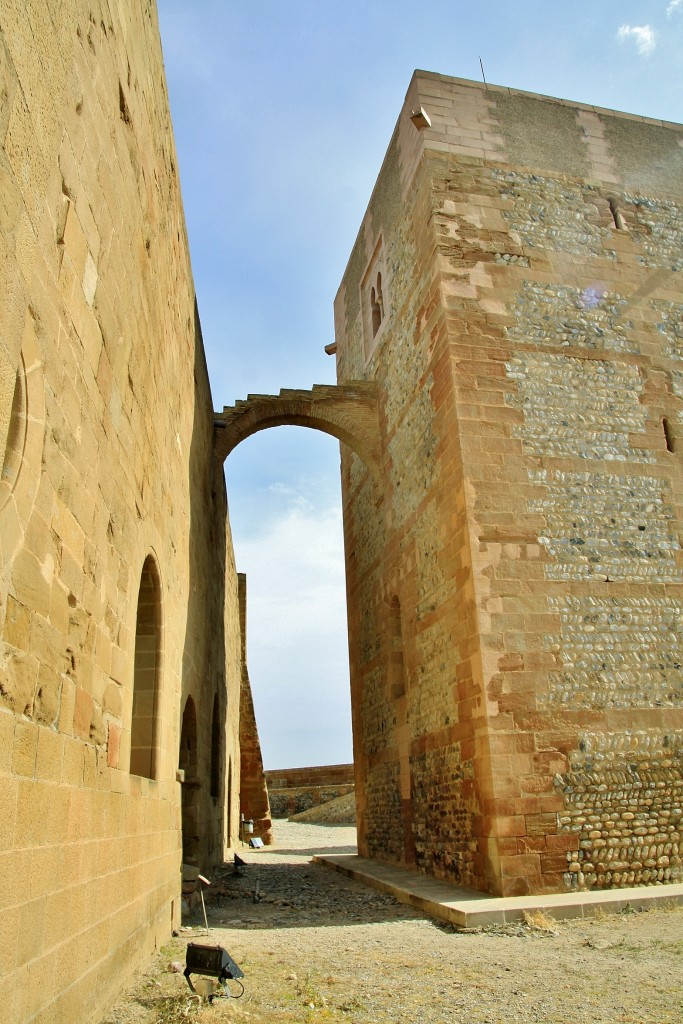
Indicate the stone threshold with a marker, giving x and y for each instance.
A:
(466, 908)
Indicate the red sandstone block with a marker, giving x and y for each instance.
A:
(83, 714)
(536, 783)
(528, 805)
(549, 762)
(512, 743)
(113, 745)
(493, 806)
(509, 826)
(500, 763)
(541, 824)
(523, 864)
(553, 862)
(531, 844)
(510, 663)
(522, 767)
(562, 842)
(508, 846)
(517, 886)
(514, 702)
(551, 803)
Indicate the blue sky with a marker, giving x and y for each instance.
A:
(282, 113)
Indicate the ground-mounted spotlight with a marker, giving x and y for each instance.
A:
(212, 962)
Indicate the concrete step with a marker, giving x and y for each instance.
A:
(466, 908)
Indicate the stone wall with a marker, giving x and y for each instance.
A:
(293, 790)
(527, 529)
(118, 597)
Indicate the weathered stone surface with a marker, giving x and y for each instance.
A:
(529, 532)
(106, 447)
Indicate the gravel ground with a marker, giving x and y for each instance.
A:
(317, 947)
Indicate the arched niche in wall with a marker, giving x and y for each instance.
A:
(188, 761)
(144, 740)
(215, 749)
(228, 813)
(22, 432)
(396, 667)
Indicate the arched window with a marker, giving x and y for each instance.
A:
(216, 750)
(375, 304)
(380, 298)
(144, 726)
(376, 312)
(617, 213)
(668, 435)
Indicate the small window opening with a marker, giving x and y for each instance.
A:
(123, 106)
(377, 305)
(617, 215)
(375, 300)
(668, 435)
(376, 312)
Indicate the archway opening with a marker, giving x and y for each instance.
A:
(285, 511)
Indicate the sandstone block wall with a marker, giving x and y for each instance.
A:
(515, 581)
(118, 597)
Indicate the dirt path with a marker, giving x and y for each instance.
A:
(316, 947)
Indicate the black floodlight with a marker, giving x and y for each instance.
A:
(212, 962)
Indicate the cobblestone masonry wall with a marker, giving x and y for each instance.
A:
(531, 355)
(670, 326)
(442, 824)
(603, 667)
(608, 527)
(108, 466)
(624, 802)
(578, 408)
(382, 819)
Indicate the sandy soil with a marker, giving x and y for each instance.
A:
(316, 947)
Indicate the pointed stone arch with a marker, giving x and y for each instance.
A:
(348, 412)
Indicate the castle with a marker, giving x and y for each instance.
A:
(509, 348)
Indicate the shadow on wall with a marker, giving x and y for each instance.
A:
(204, 704)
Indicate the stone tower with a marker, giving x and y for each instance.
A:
(514, 575)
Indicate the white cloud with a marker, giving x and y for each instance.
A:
(674, 5)
(642, 35)
(296, 634)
